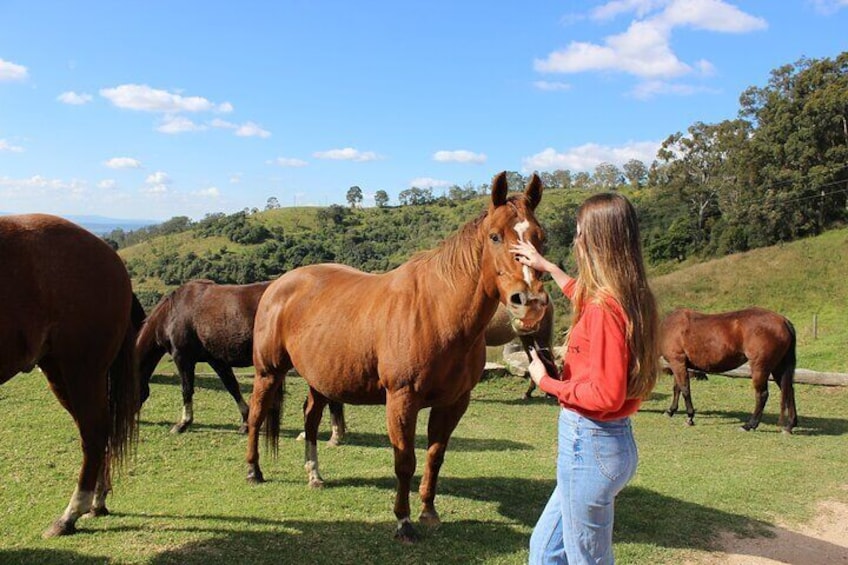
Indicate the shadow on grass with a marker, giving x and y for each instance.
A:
(807, 425)
(44, 556)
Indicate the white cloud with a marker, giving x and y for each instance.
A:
(587, 157)
(11, 71)
(429, 182)
(6, 146)
(650, 88)
(222, 124)
(250, 129)
(644, 49)
(159, 177)
(829, 7)
(178, 124)
(74, 99)
(459, 156)
(347, 154)
(224, 108)
(210, 192)
(551, 86)
(146, 99)
(108, 184)
(39, 186)
(287, 162)
(235, 178)
(123, 163)
(156, 184)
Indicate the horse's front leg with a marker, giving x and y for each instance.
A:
(759, 379)
(185, 367)
(401, 418)
(312, 411)
(442, 423)
(686, 391)
(228, 378)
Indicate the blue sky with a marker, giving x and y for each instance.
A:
(156, 109)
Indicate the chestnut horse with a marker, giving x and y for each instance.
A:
(68, 308)
(712, 343)
(202, 321)
(411, 338)
(502, 329)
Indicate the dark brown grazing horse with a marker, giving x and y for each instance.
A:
(502, 329)
(411, 338)
(67, 307)
(202, 322)
(713, 343)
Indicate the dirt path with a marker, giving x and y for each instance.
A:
(823, 541)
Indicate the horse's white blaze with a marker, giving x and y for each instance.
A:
(80, 504)
(521, 228)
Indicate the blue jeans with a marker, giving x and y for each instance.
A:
(594, 462)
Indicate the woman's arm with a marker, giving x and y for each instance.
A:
(527, 254)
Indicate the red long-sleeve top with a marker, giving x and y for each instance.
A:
(595, 363)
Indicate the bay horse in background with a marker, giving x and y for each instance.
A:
(202, 321)
(501, 330)
(713, 343)
(411, 338)
(68, 308)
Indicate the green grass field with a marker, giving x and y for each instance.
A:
(184, 498)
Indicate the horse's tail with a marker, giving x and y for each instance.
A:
(789, 358)
(274, 418)
(123, 400)
(787, 376)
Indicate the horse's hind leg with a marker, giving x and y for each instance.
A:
(759, 380)
(267, 393)
(681, 386)
(337, 419)
(185, 367)
(92, 422)
(788, 415)
(312, 413)
(225, 373)
(442, 423)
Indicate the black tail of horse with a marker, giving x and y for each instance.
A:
(785, 376)
(274, 419)
(123, 400)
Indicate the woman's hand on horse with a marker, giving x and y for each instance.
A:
(527, 254)
(536, 368)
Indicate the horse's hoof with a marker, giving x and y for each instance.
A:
(97, 512)
(243, 429)
(669, 413)
(430, 519)
(60, 528)
(406, 533)
(746, 428)
(180, 427)
(333, 442)
(787, 431)
(301, 436)
(316, 482)
(690, 422)
(254, 477)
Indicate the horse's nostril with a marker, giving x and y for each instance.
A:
(518, 299)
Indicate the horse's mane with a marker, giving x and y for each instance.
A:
(159, 312)
(458, 254)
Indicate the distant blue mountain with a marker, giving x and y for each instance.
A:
(102, 225)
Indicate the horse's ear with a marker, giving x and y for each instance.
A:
(500, 188)
(533, 191)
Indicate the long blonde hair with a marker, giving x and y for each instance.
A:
(608, 251)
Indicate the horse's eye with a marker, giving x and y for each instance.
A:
(496, 237)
